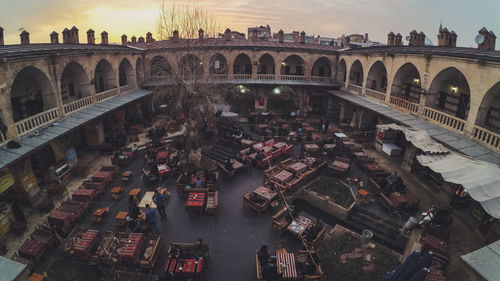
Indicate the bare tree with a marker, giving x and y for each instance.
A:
(191, 30)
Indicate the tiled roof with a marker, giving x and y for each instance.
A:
(432, 50)
(233, 43)
(40, 49)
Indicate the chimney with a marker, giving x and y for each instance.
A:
(74, 35)
(443, 36)
(421, 39)
(140, 39)
(1, 37)
(104, 38)
(391, 39)
(175, 35)
(149, 37)
(493, 39)
(281, 36)
(227, 34)
(302, 37)
(133, 39)
(90, 37)
(124, 40)
(413, 38)
(25, 37)
(201, 34)
(66, 36)
(453, 39)
(54, 38)
(399, 40)
(366, 37)
(255, 34)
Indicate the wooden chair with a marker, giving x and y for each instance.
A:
(212, 202)
(280, 222)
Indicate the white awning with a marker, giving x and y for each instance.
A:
(420, 139)
(481, 179)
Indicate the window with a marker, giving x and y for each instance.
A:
(71, 89)
(441, 102)
(299, 70)
(321, 72)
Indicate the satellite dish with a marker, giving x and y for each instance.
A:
(479, 39)
(408, 38)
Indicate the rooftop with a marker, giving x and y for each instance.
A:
(46, 48)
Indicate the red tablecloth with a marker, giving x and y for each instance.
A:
(196, 199)
(285, 264)
(184, 265)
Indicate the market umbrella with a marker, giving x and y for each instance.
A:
(406, 268)
(420, 275)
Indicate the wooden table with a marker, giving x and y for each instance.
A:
(311, 147)
(184, 266)
(299, 225)
(196, 200)
(279, 145)
(98, 215)
(309, 129)
(247, 142)
(374, 168)
(267, 149)
(398, 199)
(237, 165)
(265, 193)
(283, 176)
(285, 264)
(121, 219)
(298, 167)
(134, 192)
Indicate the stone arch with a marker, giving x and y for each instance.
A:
(190, 65)
(31, 93)
(159, 68)
(322, 67)
(293, 65)
(489, 110)
(283, 99)
(241, 99)
(267, 64)
(449, 92)
(407, 83)
(139, 70)
(75, 83)
(377, 77)
(356, 73)
(242, 64)
(341, 71)
(125, 73)
(218, 64)
(105, 78)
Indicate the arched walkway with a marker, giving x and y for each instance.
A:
(126, 73)
(104, 77)
(283, 99)
(293, 65)
(31, 93)
(242, 64)
(377, 77)
(489, 111)
(407, 83)
(218, 64)
(190, 65)
(241, 100)
(266, 64)
(75, 83)
(139, 70)
(356, 74)
(322, 68)
(160, 68)
(449, 92)
(341, 71)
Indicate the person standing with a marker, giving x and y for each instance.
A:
(160, 199)
(151, 219)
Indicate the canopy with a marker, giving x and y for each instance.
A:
(485, 261)
(481, 179)
(419, 138)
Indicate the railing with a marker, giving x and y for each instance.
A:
(127, 88)
(321, 79)
(486, 137)
(404, 104)
(294, 77)
(266, 76)
(214, 77)
(444, 119)
(3, 138)
(34, 122)
(242, 76)
(375, 94)
(77, 105)
(355, 89)
(106, 95)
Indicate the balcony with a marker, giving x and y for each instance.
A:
(294, 77)
(355, 89)
(266, 76)
(78, 105)
(102, 96)
(375, 94)
(34, 122)
(487, 138)
(444, 120)
(405, 105)
(242, 76)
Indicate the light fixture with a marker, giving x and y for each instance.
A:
(283, 63)
(454, 89)
(416, 80)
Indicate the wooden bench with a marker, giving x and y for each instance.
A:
(258, 268)
(314, 242)
(212, 202)
(279, 221)
(302, 257)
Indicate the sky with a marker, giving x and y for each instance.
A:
(329, 18)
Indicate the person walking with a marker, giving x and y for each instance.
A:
(151, 219)
(160, 199)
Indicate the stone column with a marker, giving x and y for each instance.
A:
(56, 72)
(254, 69)
(230, 70)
